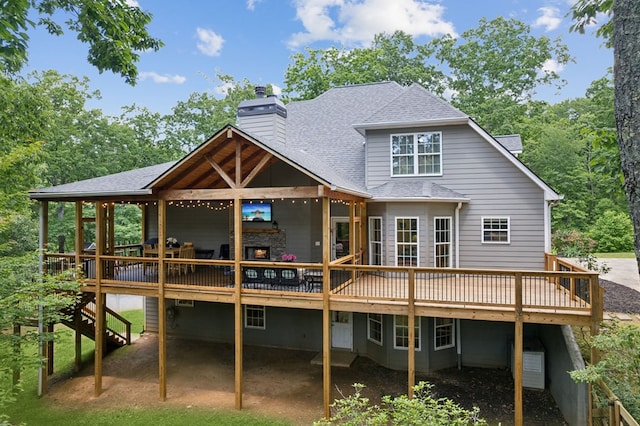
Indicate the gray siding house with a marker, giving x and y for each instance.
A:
(421, 241)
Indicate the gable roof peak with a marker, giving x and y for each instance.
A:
(413, 106)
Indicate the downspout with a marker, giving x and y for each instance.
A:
(547, 223)
(457, 225)
(457, 250)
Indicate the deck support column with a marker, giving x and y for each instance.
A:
(326, 308)
(517, 352)
(411, 323)
(237, 250)
(597, 294)
(43, 238)
(79, 248)
(99, 341)
(162, 314)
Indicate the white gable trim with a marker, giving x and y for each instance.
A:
(362, 127)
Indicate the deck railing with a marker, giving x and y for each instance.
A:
(562, 286)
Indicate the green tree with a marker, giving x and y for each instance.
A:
(22, 299)
(623, 33)
(391, 57)
(195, 120)
(619, 365)
(115, 32)
(492, 71)
(495, 69)
(612, 232)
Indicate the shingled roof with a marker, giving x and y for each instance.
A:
(325, 138)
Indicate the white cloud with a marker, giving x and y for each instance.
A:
(277, 90)
(210, 43)
(357, 21)
(549, 18)
(157, 78)
(552, 66)
(132, 3)
(251, 4)
(223, 89)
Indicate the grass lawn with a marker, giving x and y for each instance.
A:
(625, 255)
(32, 410)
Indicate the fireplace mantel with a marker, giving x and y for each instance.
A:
(260, 231)
(275, 239)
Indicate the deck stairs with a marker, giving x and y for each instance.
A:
(82, 318)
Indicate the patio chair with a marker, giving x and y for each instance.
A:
(145, 248)
(183, 253)
(289, 277)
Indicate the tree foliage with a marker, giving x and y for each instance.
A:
(619, 365)
(490, 72)
(114, 31)
(421, 409)
(623, 33)
(495, 69)
(195, 120)
(391, 57)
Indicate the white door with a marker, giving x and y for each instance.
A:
(341, 330)
(339, 237)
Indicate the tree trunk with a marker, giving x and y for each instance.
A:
(626, 49)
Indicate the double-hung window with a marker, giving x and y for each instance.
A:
(254, 317)
(407, 241)
(416, 154)
(375, 328)
(401, 332)
(443, 333)
(496, 230)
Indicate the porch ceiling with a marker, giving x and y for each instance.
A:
(227, 160)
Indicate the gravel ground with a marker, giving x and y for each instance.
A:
(620, 298)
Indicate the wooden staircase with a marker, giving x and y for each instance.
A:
(82, 318)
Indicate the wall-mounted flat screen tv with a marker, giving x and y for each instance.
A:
(256, 212)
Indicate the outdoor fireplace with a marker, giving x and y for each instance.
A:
(257, 253)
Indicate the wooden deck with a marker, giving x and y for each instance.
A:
(541, 297)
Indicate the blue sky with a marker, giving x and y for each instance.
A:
(255, 39)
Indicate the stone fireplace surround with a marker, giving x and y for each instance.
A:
(275, 239)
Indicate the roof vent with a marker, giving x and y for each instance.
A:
(260, 91)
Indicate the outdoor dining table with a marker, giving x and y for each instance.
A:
(168, 252)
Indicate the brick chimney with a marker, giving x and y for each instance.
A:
(264, 117)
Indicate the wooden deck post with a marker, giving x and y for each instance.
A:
(411, 323)
(99, 321)
(162, 308)
(237, 250)
(43, 244)
(79, 249)
(326, 309)
(596, 295)
(17, 331)
(517, 352)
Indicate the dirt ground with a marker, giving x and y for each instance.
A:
(284, 383)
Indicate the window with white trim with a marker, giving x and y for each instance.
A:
(442, 242)
(443, 333)
(374, 328)
(254, 316)
(401, 332)
(416, 154)
(375, 240)
(496, 230)
(406, 241)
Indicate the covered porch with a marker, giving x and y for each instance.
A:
(232, 168)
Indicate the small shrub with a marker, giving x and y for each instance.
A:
(612, 232)
(422, 409)
(571, 243)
